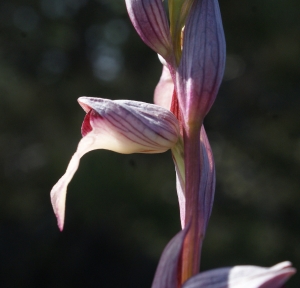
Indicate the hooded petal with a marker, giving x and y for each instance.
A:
(150, 21)
(131, 126)
(203, 60)
(168, 269)
(122, 126)
(243, 277)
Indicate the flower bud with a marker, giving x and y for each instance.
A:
(202, 63)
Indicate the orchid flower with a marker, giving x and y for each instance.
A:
(192, 51)
(122, 126)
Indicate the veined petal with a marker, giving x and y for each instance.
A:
(131, 126)
(203, 60)
(243, 277)
(150, 21)
(168, 269)
(122, 126)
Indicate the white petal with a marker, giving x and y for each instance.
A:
(243, 277)
(59, 190)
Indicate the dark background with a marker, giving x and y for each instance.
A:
(122, 209)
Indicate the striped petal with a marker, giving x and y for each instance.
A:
(203, 60)
(168, 269)
(150, 21)
(122, 126)
(243, 277)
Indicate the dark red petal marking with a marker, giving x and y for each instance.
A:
(86, 125)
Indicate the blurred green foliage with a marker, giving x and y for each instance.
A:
(122, 209)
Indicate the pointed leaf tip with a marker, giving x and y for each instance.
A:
(84, 103)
